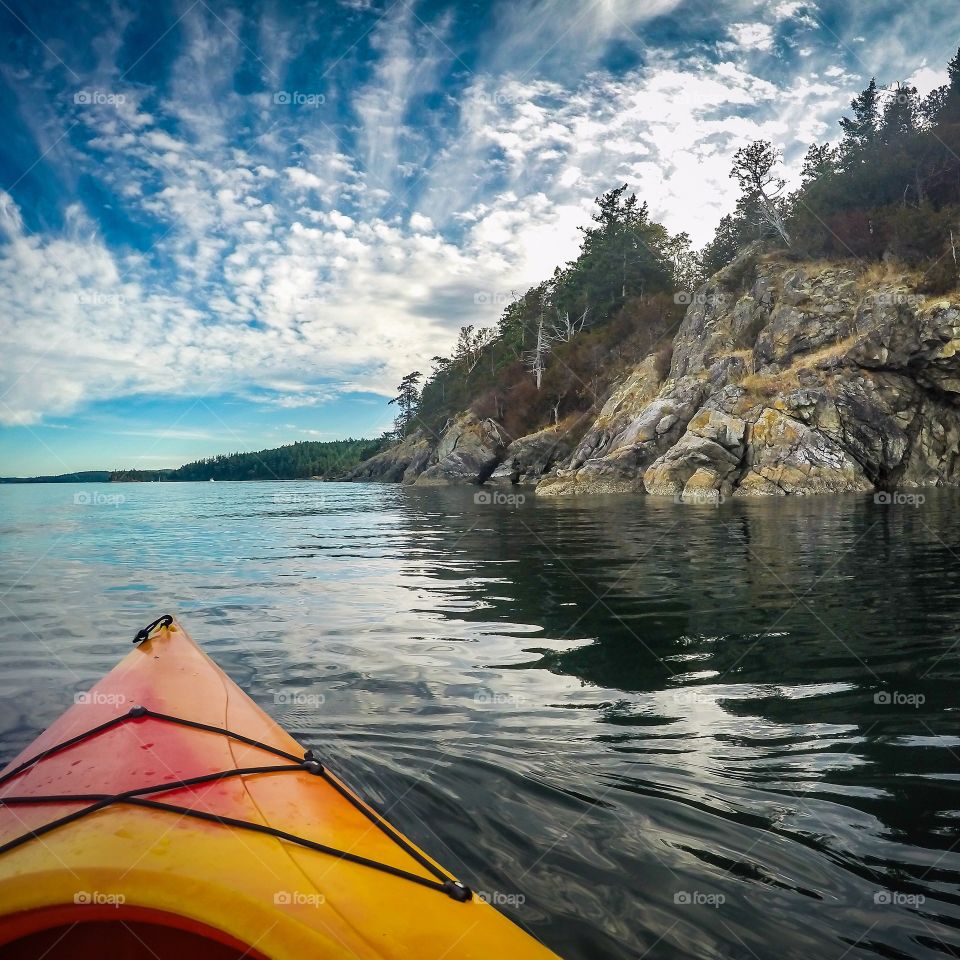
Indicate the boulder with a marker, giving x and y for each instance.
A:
(785, 456)
(704, 460)
(528, 458)
(468, 451)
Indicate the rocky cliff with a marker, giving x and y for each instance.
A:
(785, 378)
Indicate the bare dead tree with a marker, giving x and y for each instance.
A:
(564, 329)
(536, 358)
(753, 169)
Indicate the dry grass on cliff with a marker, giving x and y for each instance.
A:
(888, 272)
(873, 274)
(763, 386)
(779, 258)
(662, 360)
(828, 352)
(944, 299)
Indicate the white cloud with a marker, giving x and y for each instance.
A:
(801, 12)
(530, 34)
(751, 36)
(421, 224)
(408, 65)
(668, 131)
(341, 221)
(926, 79)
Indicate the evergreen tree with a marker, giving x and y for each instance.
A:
(407, 400)
(950, 111)
(901, 114)
(623, 255)
(953, 74)
(932, 107)
(819, 162)
(860, 131)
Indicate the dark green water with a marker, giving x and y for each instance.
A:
(644, 729)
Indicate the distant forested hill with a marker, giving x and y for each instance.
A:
(84, 476)
(327, 459)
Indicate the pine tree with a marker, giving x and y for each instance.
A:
(950, 111)
(860, 131)
(931, 109)
(953, 74)
(901, 114)
(820, 161)
(407, 399)
(623, 255)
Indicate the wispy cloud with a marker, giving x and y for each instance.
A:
(290, 205)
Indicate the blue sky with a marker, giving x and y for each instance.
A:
(229, 226)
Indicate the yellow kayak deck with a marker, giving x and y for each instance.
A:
(284, 862)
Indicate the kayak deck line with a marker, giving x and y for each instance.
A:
(134, 713)
(313, 763)
(137, 797)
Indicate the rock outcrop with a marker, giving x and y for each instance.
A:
(468, 452)
(704, 460)
(786, 456)
(608, 457)
(401, 463)
(785, 379)
(528, 458)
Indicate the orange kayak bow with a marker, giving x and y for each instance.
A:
(167, 815)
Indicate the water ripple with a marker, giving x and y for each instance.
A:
(651, 731)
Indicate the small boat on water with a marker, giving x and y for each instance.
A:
(165, 815)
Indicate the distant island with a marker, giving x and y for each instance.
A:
(83, 476)
(326, 459)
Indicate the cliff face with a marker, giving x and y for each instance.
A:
(785, 379)
(792, 379)
(469, 450)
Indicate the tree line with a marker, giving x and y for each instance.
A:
(549, 353)
(328, 459)
(889, 187)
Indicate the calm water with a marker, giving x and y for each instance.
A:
(645, 729)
